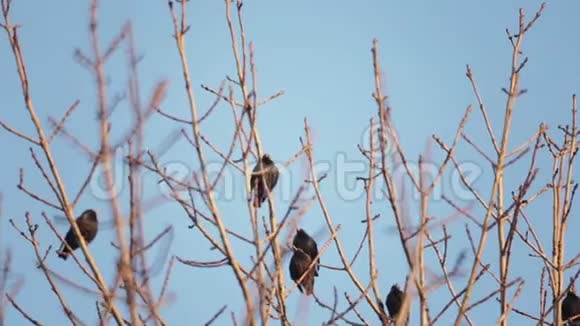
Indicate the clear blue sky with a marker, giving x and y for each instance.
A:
(319, 54)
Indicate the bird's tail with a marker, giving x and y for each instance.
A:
(308, 283)
(257, 202)
(62, 254)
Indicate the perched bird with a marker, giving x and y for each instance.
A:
(305, 252)
(88, 225)
(264, 172)
(571, 307)
(394, 301)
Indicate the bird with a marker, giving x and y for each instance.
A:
(266, 172)
(571, 307)
(394, 301)
(88, 225)
(305, 252)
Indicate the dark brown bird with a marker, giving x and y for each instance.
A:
(88, 225)
(264, 172)
(305, 252)
(394, 301)
(571, 308)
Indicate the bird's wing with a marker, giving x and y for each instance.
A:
(69, 239)
(317, 268)
(294, 266)
(254, 176)
(88, 229)
(275, 174)
(295, 269)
